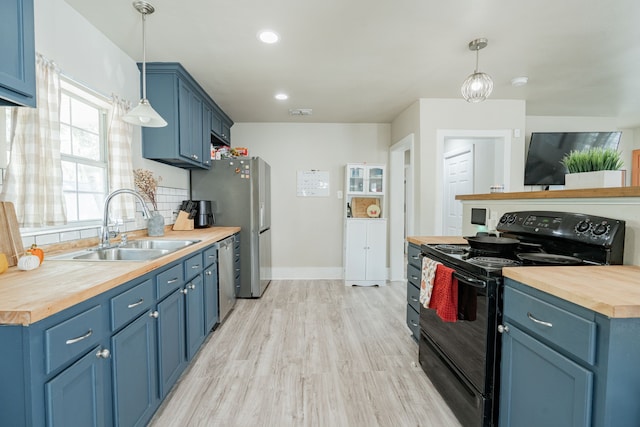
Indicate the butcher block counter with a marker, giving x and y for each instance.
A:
(29, 296)
(611, 290)
(436, 240)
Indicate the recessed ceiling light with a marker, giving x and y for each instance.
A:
(519, 81)
(268, 36)
(281, 96)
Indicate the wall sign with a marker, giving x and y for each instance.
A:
(313, 183)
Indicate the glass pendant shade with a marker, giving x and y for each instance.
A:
(477, 87)
(144, 114)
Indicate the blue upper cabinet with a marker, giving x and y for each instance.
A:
(17, 54)
(194, 121)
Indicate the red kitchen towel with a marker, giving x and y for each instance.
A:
(444, 297)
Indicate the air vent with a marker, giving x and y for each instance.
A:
(300, 111)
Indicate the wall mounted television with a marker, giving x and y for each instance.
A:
(546, 150)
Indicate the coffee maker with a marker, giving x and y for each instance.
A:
(204, 214)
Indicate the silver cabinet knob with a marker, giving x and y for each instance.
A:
(184, 291)
(208, 272)
(154, 314)
(192, 286)
(103, 354)
(503, 329)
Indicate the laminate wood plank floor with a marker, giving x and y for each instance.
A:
(309, 353)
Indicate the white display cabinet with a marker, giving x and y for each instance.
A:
(365, 229)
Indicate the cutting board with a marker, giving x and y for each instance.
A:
(359, 206)
(10, 239)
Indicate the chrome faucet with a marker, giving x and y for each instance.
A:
(104, 232)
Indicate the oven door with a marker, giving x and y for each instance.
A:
(460, 357)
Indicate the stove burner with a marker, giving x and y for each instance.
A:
(492, 262)
(549, 259)
(451, 249)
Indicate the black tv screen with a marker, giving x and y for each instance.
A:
(546, 150)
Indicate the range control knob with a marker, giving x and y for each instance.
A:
(600, 229)
(503, 219)
(583, 226)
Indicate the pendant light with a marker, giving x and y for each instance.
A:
(478, 86)
(144, 114)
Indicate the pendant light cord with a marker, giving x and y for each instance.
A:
(144, 57)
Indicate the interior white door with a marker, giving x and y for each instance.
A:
(458, 179)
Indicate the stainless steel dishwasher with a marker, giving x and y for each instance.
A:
(226, 285)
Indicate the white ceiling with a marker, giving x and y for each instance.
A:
(367, 60)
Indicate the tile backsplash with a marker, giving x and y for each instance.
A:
(168, 199)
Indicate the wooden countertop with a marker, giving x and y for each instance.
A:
(29, 296)
(436, 240)
(557, 194)
(612, 290)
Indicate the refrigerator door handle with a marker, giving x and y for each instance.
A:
(262, 212)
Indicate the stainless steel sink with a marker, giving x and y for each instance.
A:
(136, 250)
(170, 245)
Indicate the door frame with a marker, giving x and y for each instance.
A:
(401, 208)
(441, 136)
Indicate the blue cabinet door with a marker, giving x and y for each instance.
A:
(17, 54)
(185, 97)
(540, 387)
(211, 313)
(195, 315)
(171, 341)
(76, 397)
(134, 372)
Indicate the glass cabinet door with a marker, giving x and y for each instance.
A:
(375, 179)
(356, 178)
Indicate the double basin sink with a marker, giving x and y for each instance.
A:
(136, 250)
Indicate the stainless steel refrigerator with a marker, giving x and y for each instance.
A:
(239, 190)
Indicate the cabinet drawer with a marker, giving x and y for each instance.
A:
(169, 280)
(565, 329)
(413, 296)
(72, 337)
(128, 305)
(414, 275)
(193, 266)
(413, 321)
(210, 256)
(413, 256)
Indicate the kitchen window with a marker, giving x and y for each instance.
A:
(83, 153)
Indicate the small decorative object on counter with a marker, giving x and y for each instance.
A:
(498, 188)
(4, 263)
(35, 250)
(28, 262)
(155, 224)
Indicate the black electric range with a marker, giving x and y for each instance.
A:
(462, 358)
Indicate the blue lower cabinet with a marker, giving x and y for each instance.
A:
(211, 311)
(134, 372)
(171, 340)
(76, 396)
(194, 298)
(541, 387)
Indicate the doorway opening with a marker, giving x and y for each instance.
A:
(401, 204)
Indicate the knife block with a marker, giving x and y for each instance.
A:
(183, 222)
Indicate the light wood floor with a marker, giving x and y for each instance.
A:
(309, 353)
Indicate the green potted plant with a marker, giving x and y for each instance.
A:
(593, 168)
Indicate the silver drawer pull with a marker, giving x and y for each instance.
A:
(414, 299)
(414, 323)
(539, 322)
(195, 266)
(80, 338)
(415, 277)
(211, 256)
(174, 280)
(415, 256)
(135, 304)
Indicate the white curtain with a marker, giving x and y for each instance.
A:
(33, 180)
(119, 137)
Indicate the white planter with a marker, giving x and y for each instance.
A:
(597, 179)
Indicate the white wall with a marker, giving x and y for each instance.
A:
(307, 231)
(86, 55)
(455, 114)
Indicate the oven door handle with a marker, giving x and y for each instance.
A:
(476, 283)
